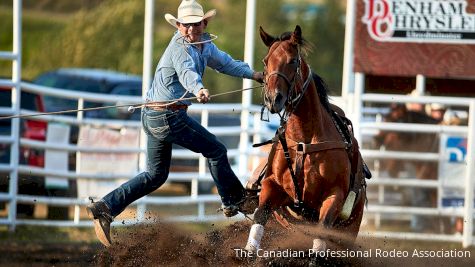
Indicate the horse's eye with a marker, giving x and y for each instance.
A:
(293, 61)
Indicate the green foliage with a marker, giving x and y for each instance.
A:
(56, 6)
(37, 28)
(327, 33)
(109, 34)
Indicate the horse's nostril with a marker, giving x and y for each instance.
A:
(278, 97)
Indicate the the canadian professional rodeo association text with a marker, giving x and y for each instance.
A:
(369, 253)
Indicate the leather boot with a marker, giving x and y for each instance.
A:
(100, 214)
(247, 205)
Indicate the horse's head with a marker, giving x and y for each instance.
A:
(282, 71)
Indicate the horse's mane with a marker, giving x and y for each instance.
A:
(306, 47)
(320, 84)
(322, 91)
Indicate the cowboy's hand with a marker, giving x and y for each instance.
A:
(203, 96)
(258, 76)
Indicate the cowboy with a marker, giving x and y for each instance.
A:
(179, 76)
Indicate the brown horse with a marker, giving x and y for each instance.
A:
(312, 167)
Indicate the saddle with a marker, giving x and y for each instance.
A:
(345, 127)
(359, 170)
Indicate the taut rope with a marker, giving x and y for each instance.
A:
(131, 108)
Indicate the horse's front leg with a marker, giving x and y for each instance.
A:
(329, 212)
(272, 196)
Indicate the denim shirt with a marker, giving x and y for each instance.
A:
(180, 70)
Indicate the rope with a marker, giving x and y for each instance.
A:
(212, 37)
(131, 108)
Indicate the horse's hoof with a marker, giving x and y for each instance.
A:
(313, 262)
(250, 248)
(319, 245)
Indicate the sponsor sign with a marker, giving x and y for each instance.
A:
(438, 21)
(58, 134)
(452, 170)
(434, 38)
(125, 164)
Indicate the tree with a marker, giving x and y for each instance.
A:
(327, 32)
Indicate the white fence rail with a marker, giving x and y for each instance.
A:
(255, 132)
(381, 209)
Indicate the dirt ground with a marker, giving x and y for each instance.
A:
(161, 244)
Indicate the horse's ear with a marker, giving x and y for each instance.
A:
(297, 36)
(266, 38)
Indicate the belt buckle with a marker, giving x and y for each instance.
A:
(173, 107)
(301, 147)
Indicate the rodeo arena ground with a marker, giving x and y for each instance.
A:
(375, 177)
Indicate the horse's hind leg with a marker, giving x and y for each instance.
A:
(352, 225)
(271, 197)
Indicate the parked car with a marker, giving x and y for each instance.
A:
(87, 80)
(30, 129)
(109, 82)
(97, 81)
(92, 81)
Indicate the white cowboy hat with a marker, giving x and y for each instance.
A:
(189, 11)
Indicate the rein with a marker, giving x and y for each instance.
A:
(281, 134)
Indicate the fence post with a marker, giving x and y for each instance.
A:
(469, 179)
(348, 75)
(16, 92)
(357, 112)
(146, 72)
(202, 161)
(247, 95)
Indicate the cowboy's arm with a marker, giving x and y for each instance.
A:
(186, 71)
(224, 63)
(188, 77)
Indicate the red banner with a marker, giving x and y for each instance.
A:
(435, 38)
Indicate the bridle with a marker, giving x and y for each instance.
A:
(294, 97)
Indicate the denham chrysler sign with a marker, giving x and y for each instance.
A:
(434, 21)
(435, 38)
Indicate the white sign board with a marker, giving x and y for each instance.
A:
(125, 164)
(452, 170)
(57, 160)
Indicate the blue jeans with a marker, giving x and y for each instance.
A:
(163, 128)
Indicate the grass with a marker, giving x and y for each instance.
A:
(38, 28)
(43, 234)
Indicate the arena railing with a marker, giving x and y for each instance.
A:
(379, 208)
(256, 131)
